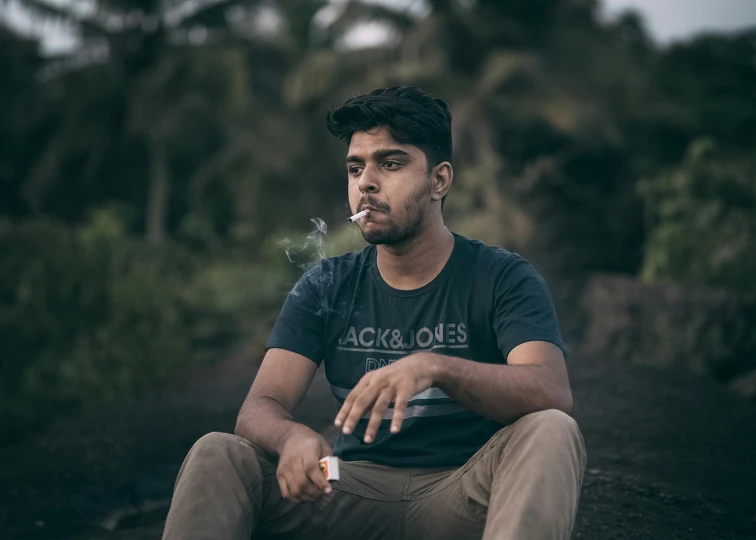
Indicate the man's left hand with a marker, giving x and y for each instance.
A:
(397, 383)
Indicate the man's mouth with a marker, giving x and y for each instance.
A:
(372, 208)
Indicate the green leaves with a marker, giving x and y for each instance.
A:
(701, 219)
(91, 316)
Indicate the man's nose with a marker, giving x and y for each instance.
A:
(368, 182)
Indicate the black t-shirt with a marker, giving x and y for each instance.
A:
(484, 303)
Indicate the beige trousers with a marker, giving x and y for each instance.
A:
(523, 484)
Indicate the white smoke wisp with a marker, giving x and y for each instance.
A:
(317, 238)
(310, 255)
(311, 250)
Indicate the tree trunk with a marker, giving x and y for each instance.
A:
(158, 190)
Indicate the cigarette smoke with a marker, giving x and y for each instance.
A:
(310, 255)
(311, 250)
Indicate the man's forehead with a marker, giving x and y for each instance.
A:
(364, 143)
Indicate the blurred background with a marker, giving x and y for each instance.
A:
(161, 162)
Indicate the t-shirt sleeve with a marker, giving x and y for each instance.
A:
(299, 327)
(523, 309)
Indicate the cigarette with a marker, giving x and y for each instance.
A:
(330, 467)
(357, 216)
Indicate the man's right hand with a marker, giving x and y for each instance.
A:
(299, 475)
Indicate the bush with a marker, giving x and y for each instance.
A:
(702, 220)
(88, 316)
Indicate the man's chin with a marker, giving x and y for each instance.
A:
(384, 237)
(374, 238)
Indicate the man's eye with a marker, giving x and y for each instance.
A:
(354, 171)
(390, 164)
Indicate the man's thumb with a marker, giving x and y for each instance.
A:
(325, 449)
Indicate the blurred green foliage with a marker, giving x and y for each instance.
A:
(149, 178)
(702, 220)
(89, 315)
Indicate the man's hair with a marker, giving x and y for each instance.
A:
(411, 115)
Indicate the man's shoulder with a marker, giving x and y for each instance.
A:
(349, 260)
(496, 266)
(330, 271)
(482, 257)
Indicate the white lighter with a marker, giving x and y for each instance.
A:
(330, 467)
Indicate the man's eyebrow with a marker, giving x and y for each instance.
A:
(379, 155)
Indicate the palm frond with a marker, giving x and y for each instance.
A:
(355, 12)
(63, 13)
(212, 14)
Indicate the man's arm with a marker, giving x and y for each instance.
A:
(265, 418)
(534, 379)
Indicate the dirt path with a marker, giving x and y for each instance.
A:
(671, 456)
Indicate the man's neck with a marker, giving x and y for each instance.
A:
(416, 263)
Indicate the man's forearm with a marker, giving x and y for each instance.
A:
(501, 392)
(265, 422)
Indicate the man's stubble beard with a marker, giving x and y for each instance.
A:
(395, 234)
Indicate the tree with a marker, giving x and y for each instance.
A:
(24, 118)
(701, 218)
(713, 79)
(542, 95)
(144, 44)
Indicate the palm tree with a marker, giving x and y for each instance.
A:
(140, 49)
(540, 92)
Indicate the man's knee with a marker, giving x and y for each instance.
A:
(214, 443)
(549, 429)
(216, 448)
(222, 457)
(551, 421)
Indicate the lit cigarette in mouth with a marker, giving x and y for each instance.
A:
(357, 216)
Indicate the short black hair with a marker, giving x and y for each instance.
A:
(411, 115)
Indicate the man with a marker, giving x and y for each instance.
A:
(444, 356)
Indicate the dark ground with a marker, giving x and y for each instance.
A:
(670, 456)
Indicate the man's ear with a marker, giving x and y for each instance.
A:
(442, 178)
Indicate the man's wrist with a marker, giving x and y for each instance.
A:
(292, 429)
(438, 367)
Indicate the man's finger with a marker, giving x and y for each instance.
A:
(285, 491)
(349, 401)
(317, 477)
(379, 410)
(400, 409)
(344, 411)
(309, 490)
(362, 403)
(283, 487)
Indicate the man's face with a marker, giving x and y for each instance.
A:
(392, 180)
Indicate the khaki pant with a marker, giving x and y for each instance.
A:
(523, 484)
